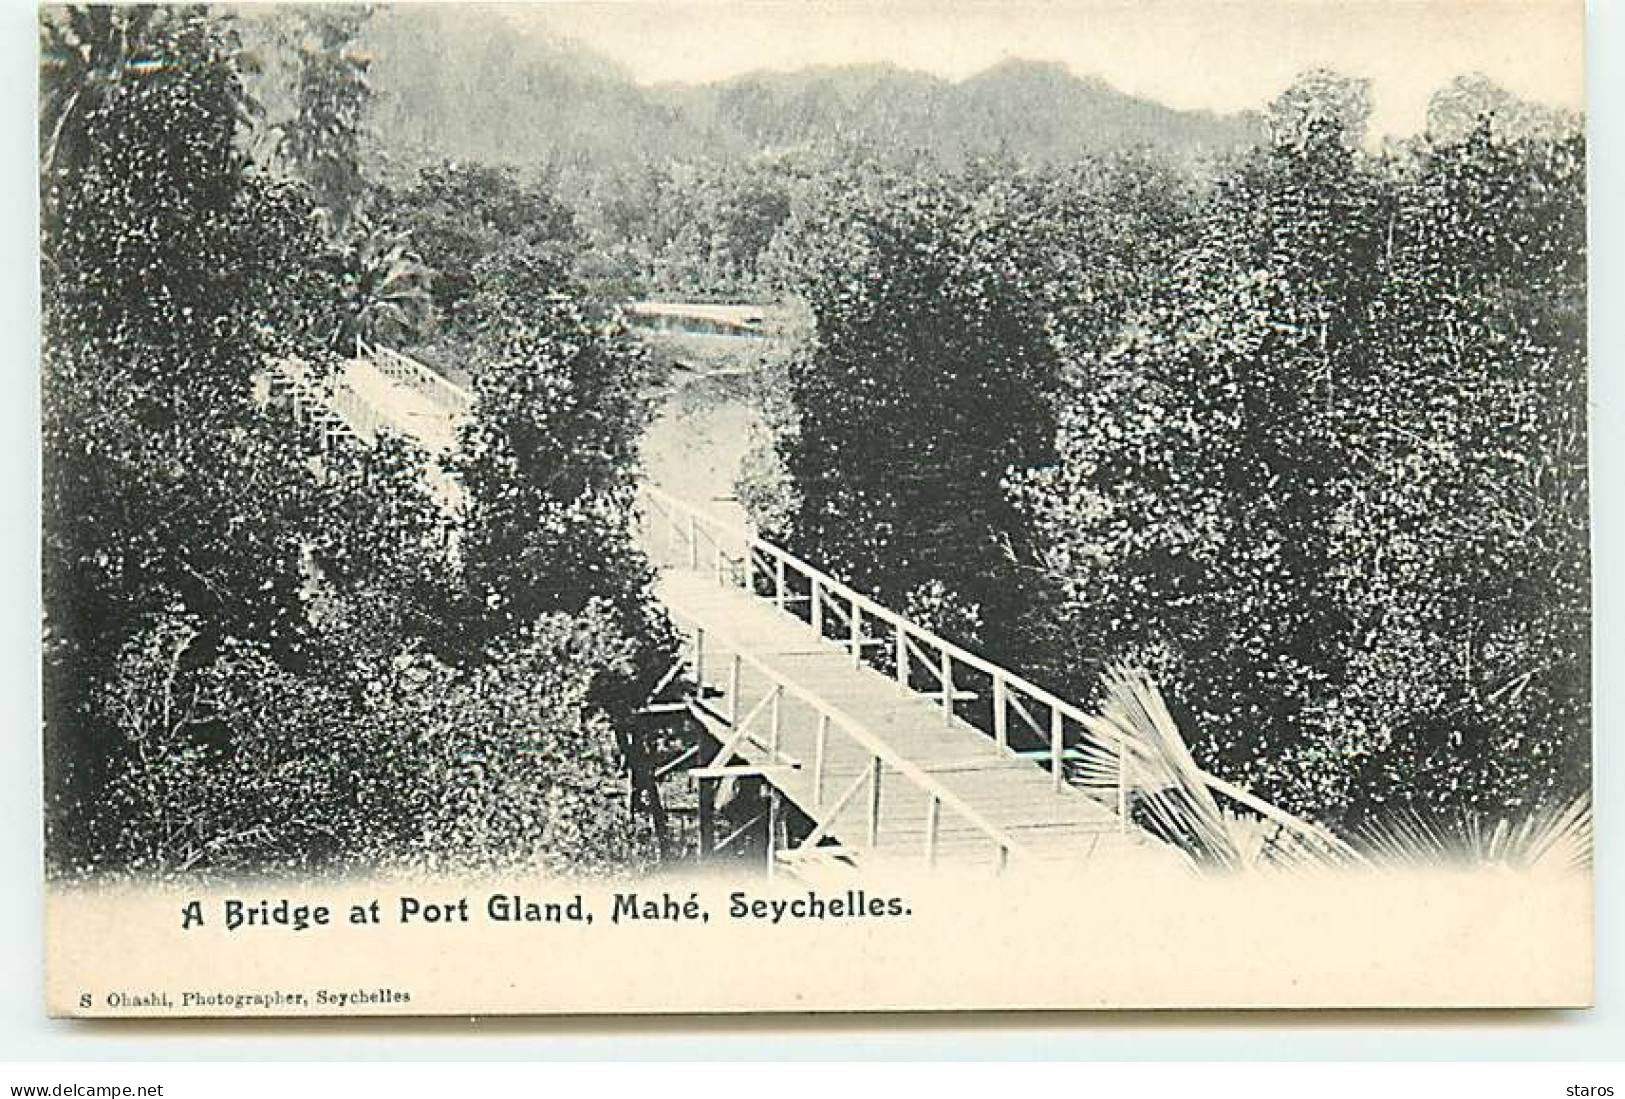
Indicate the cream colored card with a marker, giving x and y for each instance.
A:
(729, 507)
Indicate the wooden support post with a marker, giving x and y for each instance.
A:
(1001, 711)
(817, 597)
(857, 634)
(773, 815)
(1002, 861)
(933, 812)
(693, 544)
(705, 827)
(947, 688)
(1057, 734)
(778, 582)
(699, 662)
(820, 742)
(900, 640)
(874, 802)
(749, 567)
(773, 720)
(733, 691)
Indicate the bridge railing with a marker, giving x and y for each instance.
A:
(359, 413)
(1003, 705)
(736, 723)
(408, 371)
(1011, 708)
(318, 403)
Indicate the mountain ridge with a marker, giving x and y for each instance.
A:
(472, 85)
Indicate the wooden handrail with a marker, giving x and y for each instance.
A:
(1297, 825)
(830, 585)
(404, 368)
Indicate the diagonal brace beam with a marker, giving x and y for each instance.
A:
(822, 827)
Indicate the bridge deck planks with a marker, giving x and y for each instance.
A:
(1017, 795)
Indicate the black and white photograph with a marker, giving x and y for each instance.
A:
(1076, 505)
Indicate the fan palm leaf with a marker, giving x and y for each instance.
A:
(1165, 781)
(1175, 798)
(1550, 837)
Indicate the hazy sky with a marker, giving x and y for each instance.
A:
(1218, 54)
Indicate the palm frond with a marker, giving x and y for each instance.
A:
(386, 287)
(1167, 786)
(1173, 797)
(1554, 837)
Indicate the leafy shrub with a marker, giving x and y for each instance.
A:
(1330, 484)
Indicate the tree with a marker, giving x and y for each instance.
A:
(384, 291)
(460, 214)
(1467, 550)
(548, 467)
(239, 764)
(164, 269)
(87, 55)
(516, 762)
(320, 97)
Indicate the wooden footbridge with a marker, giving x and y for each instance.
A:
(853, 716)
(867, 737)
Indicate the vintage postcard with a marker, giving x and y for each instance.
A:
(725, 507)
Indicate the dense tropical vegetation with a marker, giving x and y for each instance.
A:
(262, 652)
(1306, 440)
(1293, 425)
